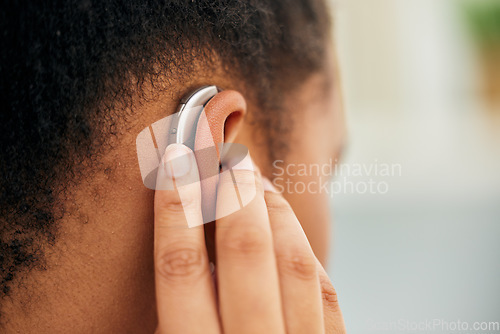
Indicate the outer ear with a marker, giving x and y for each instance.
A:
(222, 117)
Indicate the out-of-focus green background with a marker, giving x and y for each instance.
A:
(421, 82)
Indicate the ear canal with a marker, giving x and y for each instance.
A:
(220, 120)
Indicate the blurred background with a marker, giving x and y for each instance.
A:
(421, 81)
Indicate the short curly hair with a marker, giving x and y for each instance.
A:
(66, 66)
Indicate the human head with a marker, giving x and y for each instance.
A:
(79, 79)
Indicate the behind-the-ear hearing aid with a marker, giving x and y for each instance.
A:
(184, 124)
(180, 127)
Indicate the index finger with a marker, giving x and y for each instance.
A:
(185, 294)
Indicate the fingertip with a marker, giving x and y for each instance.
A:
(268, 185)
(178, 192)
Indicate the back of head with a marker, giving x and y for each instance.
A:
(70, 72)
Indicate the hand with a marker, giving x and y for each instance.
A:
(268, 279)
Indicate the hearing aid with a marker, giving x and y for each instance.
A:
(183, 126)
(179, 127)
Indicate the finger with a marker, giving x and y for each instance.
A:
(334, 321)
(299, 283)
(185, 294)
(249, 297)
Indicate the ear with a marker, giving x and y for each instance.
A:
(224, 116)
(219, 123)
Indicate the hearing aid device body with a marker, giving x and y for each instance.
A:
(183, 126)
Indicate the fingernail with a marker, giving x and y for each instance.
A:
(268, 185)
(177, 160)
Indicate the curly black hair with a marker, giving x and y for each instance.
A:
(69, 66)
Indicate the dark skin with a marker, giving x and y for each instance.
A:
(100, 275)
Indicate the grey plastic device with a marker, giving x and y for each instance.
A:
(183, 126)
